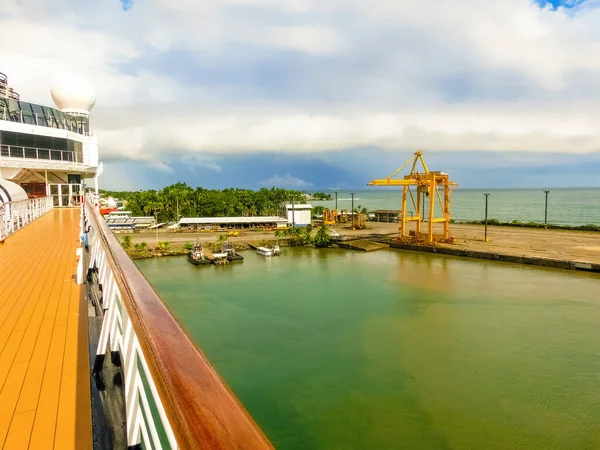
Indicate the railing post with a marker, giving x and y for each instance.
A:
(2, 223)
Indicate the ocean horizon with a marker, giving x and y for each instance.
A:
(566, 206)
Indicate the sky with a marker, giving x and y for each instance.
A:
(313, 95)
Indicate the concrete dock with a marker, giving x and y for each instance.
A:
(362, 245)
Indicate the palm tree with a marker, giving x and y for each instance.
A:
(322, 237)
(126, 243)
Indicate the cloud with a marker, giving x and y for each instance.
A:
(222, 77)
(286, 181)
(207, 162)
(161, 167)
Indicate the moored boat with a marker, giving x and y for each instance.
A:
(196, 256)
(265, 251)
(231, 253)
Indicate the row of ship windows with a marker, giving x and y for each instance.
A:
(9, 138)
(30, 113)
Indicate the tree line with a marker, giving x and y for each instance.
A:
(180, 200)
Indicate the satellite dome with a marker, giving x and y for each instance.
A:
(72, 94)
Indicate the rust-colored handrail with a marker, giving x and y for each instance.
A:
(201, 408)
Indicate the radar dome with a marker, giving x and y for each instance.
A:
(72, 94)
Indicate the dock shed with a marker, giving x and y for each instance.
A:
(301, 214)
(210, 223)
(385, 215)
(123, 221)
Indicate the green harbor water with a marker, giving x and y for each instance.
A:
(333, 349)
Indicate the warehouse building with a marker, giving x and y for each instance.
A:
(228, 223)
(300, 214)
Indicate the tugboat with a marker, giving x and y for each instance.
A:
(231, 254)
(196, 256)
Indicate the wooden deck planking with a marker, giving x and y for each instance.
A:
(44, 370)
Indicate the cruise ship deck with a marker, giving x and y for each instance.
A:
(44, 367)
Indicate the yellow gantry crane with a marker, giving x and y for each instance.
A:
(429, 184)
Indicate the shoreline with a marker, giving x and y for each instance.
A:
(568, 249)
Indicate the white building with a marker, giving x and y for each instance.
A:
(300, 215)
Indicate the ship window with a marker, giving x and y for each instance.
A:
(9, 138)
(43, 142)
(59, 144)
(54, 116)
(26, 140)
(39, 115)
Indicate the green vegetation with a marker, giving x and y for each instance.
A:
(304, 236)
(163, 246)
(141, 246)
(188, 246)
(361, 210)
(322, 237)
(126, 242)
(202, 202)
(318, 210)
(321, 196)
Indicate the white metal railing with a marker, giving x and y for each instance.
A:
(15, 215)
(146, 419)
(46, 154)
(173, 396)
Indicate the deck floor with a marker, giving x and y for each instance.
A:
(44, 368)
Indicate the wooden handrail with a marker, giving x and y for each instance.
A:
(201, 408)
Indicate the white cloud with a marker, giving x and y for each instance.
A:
(287, 181)
(161, 166)
(452, 75)
(208, 162)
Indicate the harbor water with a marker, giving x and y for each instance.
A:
(333, 349)
(565, 206)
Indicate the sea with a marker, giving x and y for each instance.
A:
(566, 206)
(335, 349)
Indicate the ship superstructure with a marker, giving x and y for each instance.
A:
(46, 150)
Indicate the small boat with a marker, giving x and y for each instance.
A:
(231, 254)
(196, 256)
(264, 251)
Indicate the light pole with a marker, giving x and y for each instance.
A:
(293, 213)
(335, 191)
(352, 194)
(156, 224)
(486, 217)
(546, 210)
